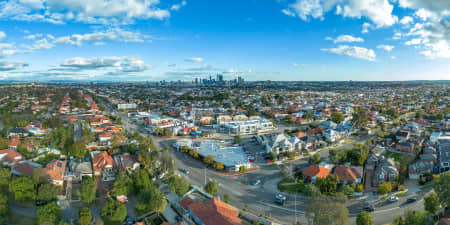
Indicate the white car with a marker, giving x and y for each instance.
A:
(393, 199)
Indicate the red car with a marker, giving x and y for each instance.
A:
(268, 161)
(297, 168)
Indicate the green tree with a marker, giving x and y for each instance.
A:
(337, 117)
(85, 216)
(360, 118)
(78, 149)
(47, 192)
(226, 198)
(23, 188)
(4, 143)
(151, 200)
(142, 181)
(123, 185)
(237, 139)
(211, 188)
(178, 185)
(218, 166)
(364, 218)
(327, 211)
(49, 213)
(308, 116)
(4, 207)
(242, 169)
(442, 189)
(113, 212)
(346, 189)
(328, 185)
(385, 188)
(88, 189)
(432, 203)
(272, 156)
(412, 218)
(5, 179)
(208, 159)
(314, 159)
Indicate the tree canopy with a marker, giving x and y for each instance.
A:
(442, 189)
(23, 188)
(113, 212)
(327, 211)
(364, 218)
(211, 188)
(88, 189)
(49, 213)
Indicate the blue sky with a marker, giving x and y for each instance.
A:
(256, 39)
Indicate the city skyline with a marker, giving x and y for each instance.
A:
(147, 40)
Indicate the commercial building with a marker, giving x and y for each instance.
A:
(242, 127)
(126, 106)
(231, 157)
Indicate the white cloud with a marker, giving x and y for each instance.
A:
(33, 36)
(378, 11)
(100, 37)
(345, 38)
(8, 66)
(298, 65)
(365, 28)
(353, 51)
(119, 64)
(414, 41)
(7, 49)
(406, 20)
(237, 71)
(178, 6)
(387, 48)
(397, 36)
(87, 11)
(195, 59)
(288, 12)
(41, 45)
(2, 35)
(393, 57)
(432, 35)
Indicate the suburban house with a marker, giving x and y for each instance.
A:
(126, 163)
(386, 169)
(24, 168)
(80, 170)
(283, 143)
(55, 172)
(349, 174)
(210, 212)
(14, 143)
(402, 135)
(9, 157)
(101, 162)
(315, 171)
(443, 147)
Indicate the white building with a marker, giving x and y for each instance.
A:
(231, 157)
(126, 106)
(251, 126)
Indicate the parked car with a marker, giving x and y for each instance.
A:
(297, 168)
(178, 219)
(40, 202)
(393, 199)
(185, 171)
(369, 208)
(280, 199)
(255, 182)
(412, 199)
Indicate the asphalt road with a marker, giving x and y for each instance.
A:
(260, 198)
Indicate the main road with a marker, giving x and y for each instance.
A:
(259, 199)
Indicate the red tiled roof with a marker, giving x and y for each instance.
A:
(213, 212)
(349, 174)
(55, 170)
(316, 171)
(101, 161)
(10, 156)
